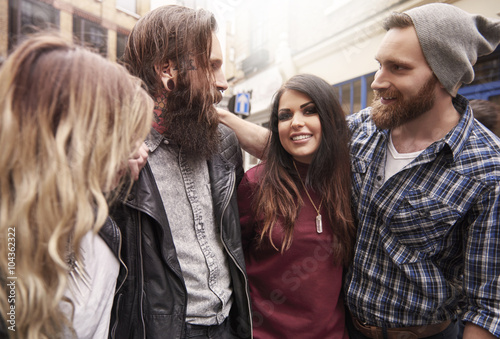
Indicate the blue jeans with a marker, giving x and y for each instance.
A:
(461, 327)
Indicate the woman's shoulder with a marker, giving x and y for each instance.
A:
(254, 174)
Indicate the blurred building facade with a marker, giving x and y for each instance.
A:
(265, 42)
(271, 40)
(103, 25)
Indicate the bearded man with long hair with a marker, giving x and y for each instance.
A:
(184, 270)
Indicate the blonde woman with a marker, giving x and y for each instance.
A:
(69, 120)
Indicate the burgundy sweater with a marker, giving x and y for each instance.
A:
(297, 293)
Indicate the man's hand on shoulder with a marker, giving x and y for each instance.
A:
(138, 160)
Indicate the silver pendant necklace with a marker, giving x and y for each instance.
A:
(319, 221)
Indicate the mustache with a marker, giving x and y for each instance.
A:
(217, 94)
(386, 93)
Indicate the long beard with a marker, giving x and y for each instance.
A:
(403, 110)
(193, 126)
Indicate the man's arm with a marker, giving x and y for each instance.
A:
(252, 137)
(481, 270)
(473, 331)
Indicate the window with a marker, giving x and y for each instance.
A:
(121, 42)
(369, 91)
(127, 5)
(345, 97)
(487, 68)
(27, 16)
(90, 34)
(486, 84)
(355, 94)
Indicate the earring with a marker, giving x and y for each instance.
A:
(170, 84)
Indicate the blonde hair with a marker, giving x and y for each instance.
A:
(69, 120)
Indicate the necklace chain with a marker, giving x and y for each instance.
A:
(319, 223)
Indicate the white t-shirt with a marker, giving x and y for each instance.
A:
(395, 161)
(92, 292)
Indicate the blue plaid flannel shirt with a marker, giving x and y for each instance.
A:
(428, 242)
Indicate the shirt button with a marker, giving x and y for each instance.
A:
(379, 177)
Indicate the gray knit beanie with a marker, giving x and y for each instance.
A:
(452, 40)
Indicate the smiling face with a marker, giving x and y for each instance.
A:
(404, 85)
(299, 126)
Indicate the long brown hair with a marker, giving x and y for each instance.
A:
(179, 34)
(329, 173)
(69, 120)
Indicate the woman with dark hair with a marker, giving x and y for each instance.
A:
(297, 228)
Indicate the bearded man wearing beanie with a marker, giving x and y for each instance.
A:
(426, 186)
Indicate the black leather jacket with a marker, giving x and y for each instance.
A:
(151, 296)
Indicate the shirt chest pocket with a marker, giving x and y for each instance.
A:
(358, 170)
(418, 227)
